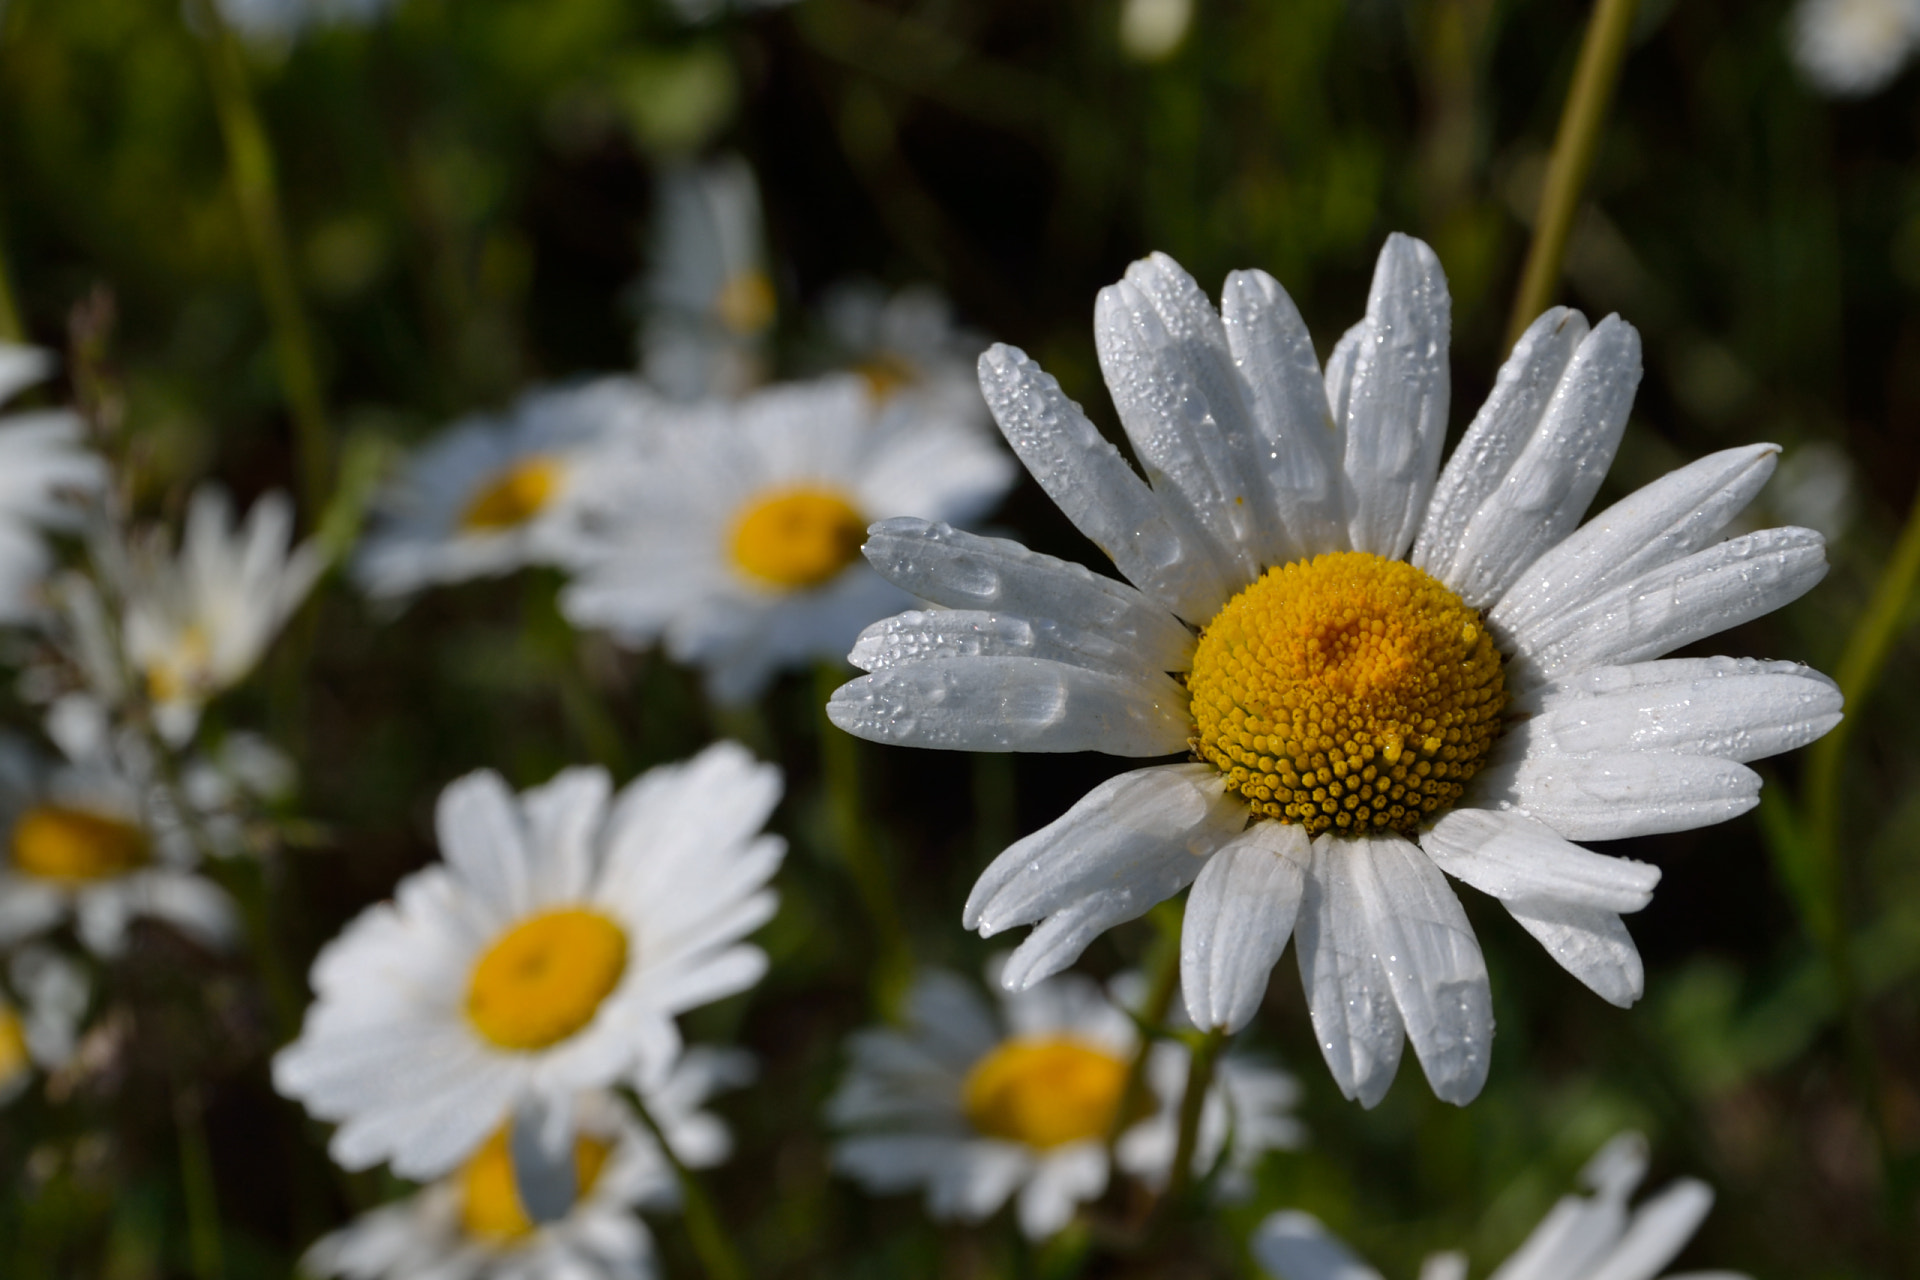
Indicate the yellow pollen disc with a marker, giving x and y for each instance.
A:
(544, 978)
(14, 1061)
(798, 538)
(886, 375)
(746, 303)
(1044, 1092)
(58, 843)
(490, 1207)
(513, 496)
(1347, 693)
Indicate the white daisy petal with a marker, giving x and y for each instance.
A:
(1432, 962)
(1619, 794)
(964, 571)
(1064, 1178)
(1514, 857)
(1734, 708)
(1671, 518)
(1239, 917)
(1291, 1245)
(481, 838)
(1556, 470)
(1348, 994)
(1014, 704)
(1395, 412)
(1274, 352)
(1138, 839)
(1591, 943)
(920, 635)
(1158, 549)
(1478, 468)
(1673, 605)
(1164, 354)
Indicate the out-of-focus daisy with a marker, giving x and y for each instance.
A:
(85, 842)
(906, 344)
(978, 1109)
(548, 955)
(226, 786)
(474, 1225)
(708, 301)
(1583, 1238)
(42, 469)
(697, 11)
(1850, 48)
(1383, 671)
(735, 536)
(281, 20)
(199, 622)
(40, 1032)
(1154, 30)
(493, 494)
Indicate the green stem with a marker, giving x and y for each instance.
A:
(1594, 77)
(1163, 979)
(1199, 1079)
(256, 192)
(197, 1185)
(711, 1243)
(12, 327)
(853, 835)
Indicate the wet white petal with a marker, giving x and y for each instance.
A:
(1556, 471)
(1591, 943)
(1734, 708)
(1158, 548)
(1616, 795)
(920, 635)
(1721, 587)
(1515, 857)
(1015, 704)
(1395, 411)
(1348, 996)
(1673, 517)
(964, 571)
(1274, 352)
(1239, 917)
(1422, 940)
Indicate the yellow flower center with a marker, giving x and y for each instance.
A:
(886, 375)
(746, 303)
(798, 538)
(58, 843)
(1044, 1092)
(490, 1207)
(544, 978)
(14, 1060)
(1348, 692)
(514, 496)
(179, 673)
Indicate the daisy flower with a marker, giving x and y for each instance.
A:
(735, 536)
(548, 955)
(39, 1034)
(199, 623)
(90, 841)
(1583, 1238)
(493, 494)
(979, 1109)
(474, 1225)
(1851, 48)
(1382, 671)
(42, 468)
(709, 303)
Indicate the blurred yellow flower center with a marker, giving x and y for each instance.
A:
(886, 374)
(13, 1048)
(59, 843)
(544, 978)
(1044, 1092)
(175, 675)
(798, 538)
(746, 303)
(1349, 692)
(490, 1207)
(513, 496)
